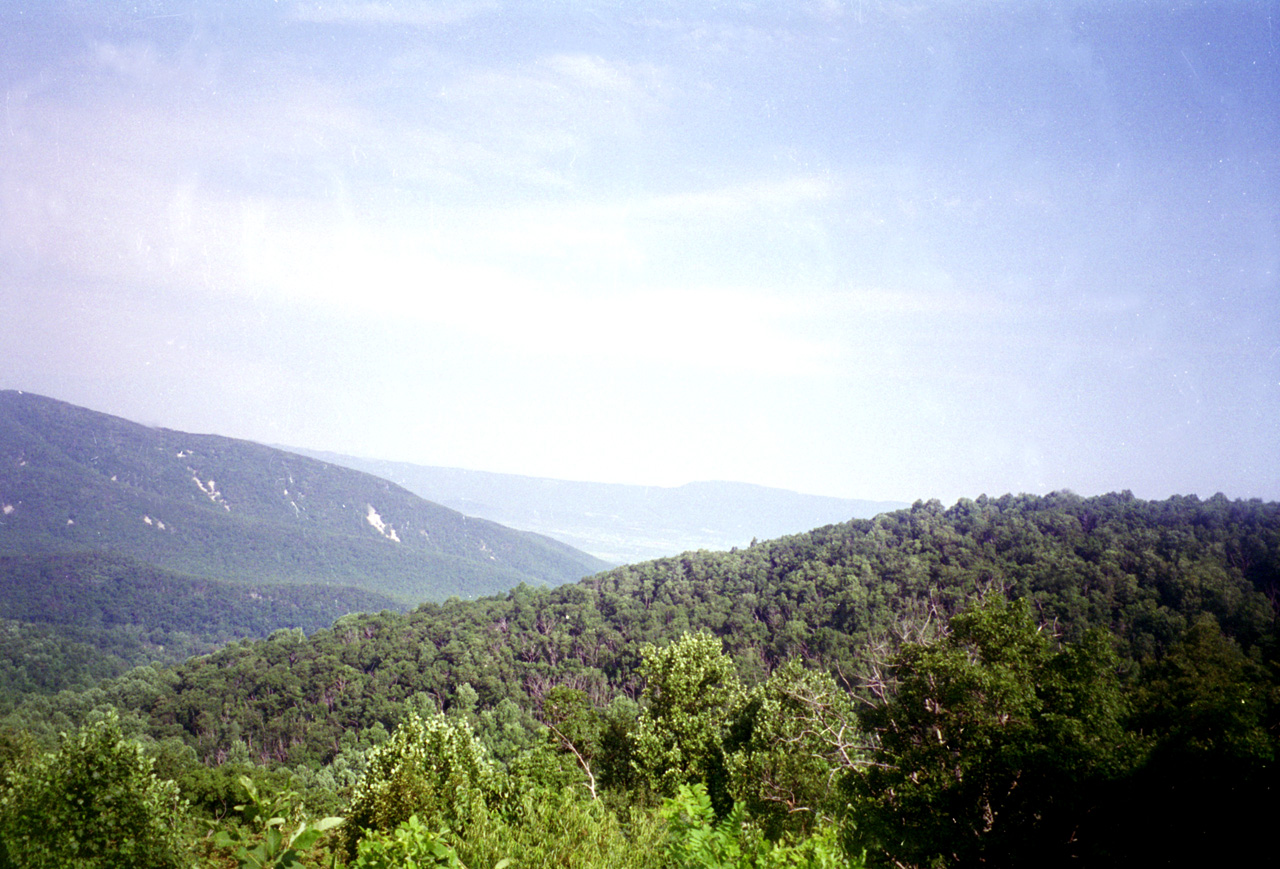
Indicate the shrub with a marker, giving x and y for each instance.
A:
(93, 803)
(430, 767)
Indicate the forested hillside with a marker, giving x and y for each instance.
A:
(982, 683)
(1143, 571)
(73, 480)
(72, 620)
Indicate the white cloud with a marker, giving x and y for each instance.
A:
(373, 275)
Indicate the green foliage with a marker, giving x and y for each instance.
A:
(94, 802)
(271, 846)
(698, 840)
(507, 730)
(409, 846)
(532, 824)
(839, 598)
(616, 759)
(1208, 700)
(547, 826)
(791, 740)
(45, 659)
(689, 688)
(574, 726)
(1211, 715)
(17, 748)
(73, 620)
(994, 748)
(217, 792)
(1017, 733)
(431, 767)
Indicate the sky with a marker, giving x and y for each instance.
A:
(869, 249)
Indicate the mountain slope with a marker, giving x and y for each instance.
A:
(839, 597)
(67, 621)
(74, 480)
(622, 523)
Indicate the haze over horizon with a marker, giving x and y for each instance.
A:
(873, 250)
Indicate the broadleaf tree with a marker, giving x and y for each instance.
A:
(95, 803)
(690, 686)
(996, 744)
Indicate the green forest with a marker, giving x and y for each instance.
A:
(73, 620)
(1010, 681)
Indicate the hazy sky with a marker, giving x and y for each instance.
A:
(868, 249)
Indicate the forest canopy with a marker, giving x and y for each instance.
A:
(1053, 676)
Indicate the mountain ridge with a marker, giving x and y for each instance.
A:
(840, 598)
(619, 522)
(74, 480)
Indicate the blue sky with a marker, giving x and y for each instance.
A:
(868, 249)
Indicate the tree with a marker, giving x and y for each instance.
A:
(93, 803)
(574, 726)
(995, 747)
(1212, 715)
(689, 688)
(792, 740)
(431, 767)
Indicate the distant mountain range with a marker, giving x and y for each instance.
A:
(73, 480)
(620, 523)
(123, 544)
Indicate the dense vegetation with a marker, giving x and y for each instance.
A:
(71, 621)
(1008, 681)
